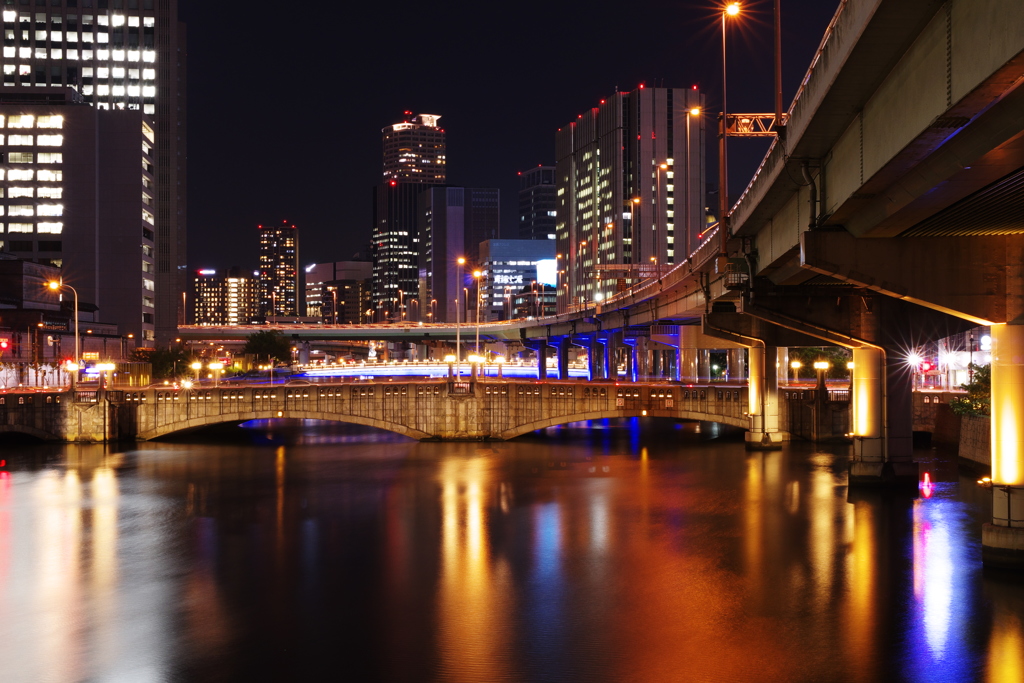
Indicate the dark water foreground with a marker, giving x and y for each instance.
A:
(617, 551)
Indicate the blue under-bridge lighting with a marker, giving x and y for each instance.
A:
(428, 370)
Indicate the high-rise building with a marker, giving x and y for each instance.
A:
(537, 203)
(454, 221)
(119, 55)
(280, 291)
(229, 299)
(630, 179)
(414, 159)
(339, 292)
(507, 267)
(77, 190)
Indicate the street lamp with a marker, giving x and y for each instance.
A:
(730, 10)
(196, 367)
(461, 261)
(56, 286)
(476, 277)
(656, 247)
(334, 297)
(693, 113)
(796, 365)
(216, 367)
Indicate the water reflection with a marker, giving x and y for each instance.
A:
(633, 550)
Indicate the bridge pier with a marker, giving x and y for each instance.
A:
(1002, 540)
(735, 363)
(540, 348)
(563, 357)
(763, 396)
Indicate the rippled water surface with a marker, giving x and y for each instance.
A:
(606, 551)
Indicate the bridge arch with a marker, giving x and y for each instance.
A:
(210, 420)
(27, 430)
(519, 430)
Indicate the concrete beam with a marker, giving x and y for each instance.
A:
(960, 276)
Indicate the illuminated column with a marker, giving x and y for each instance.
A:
(735, 363)
(868, 408)
(763, 398)
(703, 365)
(783, 359)
(1002, 541)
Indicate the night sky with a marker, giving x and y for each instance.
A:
(286, 103)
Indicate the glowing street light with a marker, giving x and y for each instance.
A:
(56, 286)
(216, 367)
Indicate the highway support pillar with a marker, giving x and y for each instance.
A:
(563, 357)
(632, 359)
(882, 447)
(595, 359)
(540, 347)
(763, 397)
(1002, 540)
(734, 364)
(703, 365)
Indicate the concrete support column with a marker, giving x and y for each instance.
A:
(632, 360)
(595, 359)
(563, 357)
(882, 420)
(763, 396)
(610, 369)
(541, 349)
(703, 365)
(783, 361)
(1002, 541)
(688, 365)
(735, 362)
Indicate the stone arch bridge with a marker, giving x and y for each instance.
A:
(422, 409)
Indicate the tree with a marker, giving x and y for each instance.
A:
(837, 357)
(268, 344)
(979, 393)
(167, 363)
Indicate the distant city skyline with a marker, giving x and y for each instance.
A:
(313, 151)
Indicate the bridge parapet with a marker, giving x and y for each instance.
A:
(435, 410)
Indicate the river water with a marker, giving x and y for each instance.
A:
(609, 551)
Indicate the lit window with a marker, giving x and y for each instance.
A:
(50, 228)
(18, 174)
(149, 55)
(20, 157)
(19, 227)
(103, 72)
(44, 176)
(21, 192)
(50, 122)
(119, 91)
(50, 210)
(50, 140)
(25, 52)
(118, 55)
(49, 192)
(133, 21)
(116, 20)
(9, 52)
(21, 210)
(51, 158)
(22, 121)
(102, 89)
(149, 91)
(134, 56)
(117, 72)
(147, 284)
(149, 74)
(133, 91)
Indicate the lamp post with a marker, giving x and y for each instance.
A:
(730, 10)
(461, 261)
(476, 278)
(196, 367)
(334, 298)
(56, 286)
(216, 367)
(433, 310)
(693, 113)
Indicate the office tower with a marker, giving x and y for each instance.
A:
(507, 267)
(339, 292)
(453, 223)
(537, 203)
(78, 192)
(279, 287)
(229, 299)
(620, 216)
(414, 159)
(119, 55)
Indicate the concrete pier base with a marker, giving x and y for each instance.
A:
(889, 474)
(763, 441)
(1002, 547)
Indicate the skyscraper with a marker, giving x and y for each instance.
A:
(537, 203)
(414, 159)
(279, 287)
(620, 217)
(454, 221)
(76, 191)
(228, 299)
(119, 55)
